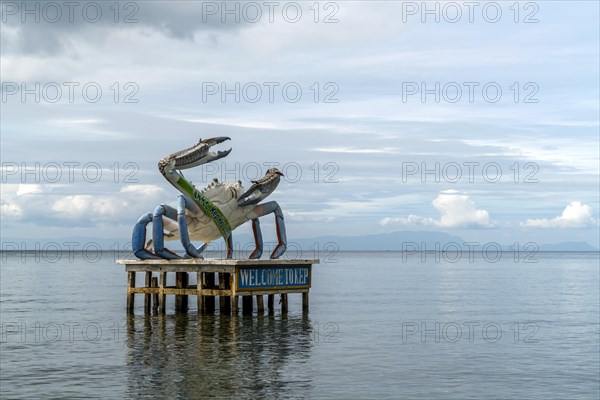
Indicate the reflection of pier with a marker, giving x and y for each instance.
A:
(219, 356)
(224, 278)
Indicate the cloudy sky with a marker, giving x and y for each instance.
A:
(478, 119)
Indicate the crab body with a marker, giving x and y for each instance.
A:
(225, 196)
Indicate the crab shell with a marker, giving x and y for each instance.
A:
(225, 196)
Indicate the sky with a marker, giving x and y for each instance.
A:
(479, 119)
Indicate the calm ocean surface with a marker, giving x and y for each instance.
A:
(379, 326)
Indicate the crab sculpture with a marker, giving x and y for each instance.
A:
(207, 214)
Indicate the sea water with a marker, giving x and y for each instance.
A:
(380, 325)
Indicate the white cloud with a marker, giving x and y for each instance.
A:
(49, 204)
(575, 215)
(11, 211)
(308, 216)
(25, 189)
(12, 208)
(146, 190)
(114, 207)
(82, 206)
(62, 123)
(352, 150)
(457, 211)
(411, 220)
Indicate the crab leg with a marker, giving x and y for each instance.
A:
(139, 238)
(259, 211)
(258, 240)
(183, 203)
(158, 231)
(280, 226)
(229, 244)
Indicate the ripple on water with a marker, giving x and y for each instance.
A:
(353, 341)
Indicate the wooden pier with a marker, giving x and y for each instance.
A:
(226, 279)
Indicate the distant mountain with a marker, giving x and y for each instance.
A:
(568, 246)
(393, 241)
(420, 241)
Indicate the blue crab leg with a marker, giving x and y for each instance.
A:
(138, 239)
(282, 245)
(229, 243)
(268, 208)
(258, 240)
(182, 204)
(158, 231)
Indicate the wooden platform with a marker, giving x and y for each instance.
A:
(224, 278)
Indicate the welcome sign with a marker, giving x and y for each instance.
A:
(266, 277)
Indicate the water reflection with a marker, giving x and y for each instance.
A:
(191, 356)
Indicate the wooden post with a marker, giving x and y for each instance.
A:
(162, 297)
(232, 287)
(271, 302)
(200, 299)
(260, 305)
(147, 298)
(305, 301)
(185, 281)
(178, 285)
(235, 305)
(154, 284)
(246, 304)
(209, 283)
(130, 285)
(284, 303)
(224, 301)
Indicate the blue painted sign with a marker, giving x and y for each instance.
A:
(289, 276)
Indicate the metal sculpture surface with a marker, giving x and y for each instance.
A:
(207, 214)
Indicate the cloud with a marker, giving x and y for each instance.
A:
(47, 205)
(49, 30)
(25, 189)
(457, 211)
(352, 150)
(307, 216)
(114, 207)
(575, 215)
(88, 206)
(21, 200)
(145, 190)
(10, 211)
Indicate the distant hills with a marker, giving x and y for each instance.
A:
(419, 241)
(393, 241)
(568, 246)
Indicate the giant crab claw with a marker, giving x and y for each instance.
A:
(200, 153)
(193, 156)
(261, 188)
